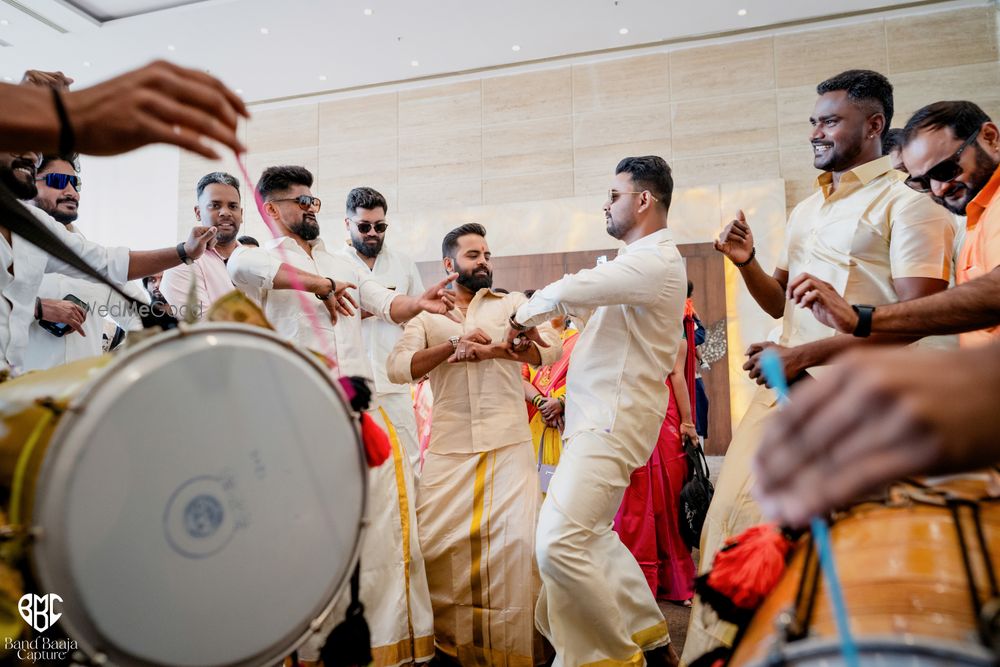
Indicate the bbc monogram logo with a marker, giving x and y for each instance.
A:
(39, 611)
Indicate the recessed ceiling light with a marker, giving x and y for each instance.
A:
(7, 78)
(86, 63)
(623, 31)
(264, 31)
(369, 12)
(516, 47)
(414, 63)
(742, 12)
(4, 22)
(322, 77)
(171, 47)
(239, 91)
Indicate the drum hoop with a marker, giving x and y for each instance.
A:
(44, 571)
(908, 644)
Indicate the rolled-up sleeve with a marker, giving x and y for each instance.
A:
(414, 339)
(375, 298)
(111, 262)
(253, 269)
(632, 279)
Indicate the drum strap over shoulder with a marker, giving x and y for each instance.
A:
(14, 216)
(988, 613)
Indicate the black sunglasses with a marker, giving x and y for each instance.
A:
(945, 171)
(60, 181)
(365, 227)
(304, 201)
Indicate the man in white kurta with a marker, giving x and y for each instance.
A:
(595, 606)
(478, 495)
(46, 350)
(393, 583)
(865, 232)
(366, 224)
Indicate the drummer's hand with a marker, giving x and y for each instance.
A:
(64, 312)
(874, 417)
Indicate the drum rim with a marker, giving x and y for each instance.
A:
(907, 643)
(82, 630)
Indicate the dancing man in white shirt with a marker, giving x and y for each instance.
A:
(366, 210)
(393, 582)
(595, 606)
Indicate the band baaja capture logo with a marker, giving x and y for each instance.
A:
(40, 612)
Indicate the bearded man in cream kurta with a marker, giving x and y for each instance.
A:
(478, 494)
(595, 606)
(865, 232)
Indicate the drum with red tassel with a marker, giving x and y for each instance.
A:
(918, 572)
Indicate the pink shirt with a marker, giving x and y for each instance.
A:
(210, 277)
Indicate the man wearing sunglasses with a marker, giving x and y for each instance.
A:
(863, 231)
(393, 580)
(366, 210)
(219, 206)
(952, 151)
(59, 186)
(24, 264)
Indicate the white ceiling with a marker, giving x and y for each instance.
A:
(316, 46)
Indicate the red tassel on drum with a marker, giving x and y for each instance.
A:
(377, 445)
(745, 571)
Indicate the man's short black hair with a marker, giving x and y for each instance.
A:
(962, 117)
(279, 179)
(220, 177)
(49, 158)
(365, 197)
(650, 172)
(867, 89)
(450, 243)
(892, 140)
(248, 240)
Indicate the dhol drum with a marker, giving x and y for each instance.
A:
(195, 500)
(917, 572)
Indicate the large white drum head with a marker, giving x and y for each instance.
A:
(205, 506)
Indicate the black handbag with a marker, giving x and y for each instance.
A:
(696, 494)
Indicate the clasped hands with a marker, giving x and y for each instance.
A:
(478, 346)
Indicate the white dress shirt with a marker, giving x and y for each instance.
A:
(253, 270)
(23, 266)
(617, 379)
(397, 272)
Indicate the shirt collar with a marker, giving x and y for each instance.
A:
(863, 173)
(271, 244)
(987, 197)
(657, 237)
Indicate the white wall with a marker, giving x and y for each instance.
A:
(131, 200)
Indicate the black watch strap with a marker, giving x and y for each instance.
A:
(864, 328)
(182, 253)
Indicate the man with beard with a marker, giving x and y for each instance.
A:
(953, 150)
(876, 240)
(220, 207)
(59, 187)
(595, 605)
(393, 583)
(479, 491)
(365, 222)
(24, 264)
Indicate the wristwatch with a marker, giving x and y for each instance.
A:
(864, 327)
(454, 342)
(182, 253)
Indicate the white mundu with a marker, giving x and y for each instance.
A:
(595, 606)
(393, 580)
(397, 272)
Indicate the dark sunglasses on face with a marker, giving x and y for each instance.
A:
(365, 227)
(945, 171)
(304, 201)
(60, 181)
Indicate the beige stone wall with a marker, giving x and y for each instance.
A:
(720, 113)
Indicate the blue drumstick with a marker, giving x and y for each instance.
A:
(770, 366)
